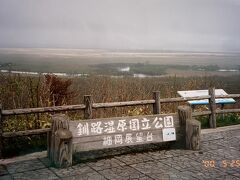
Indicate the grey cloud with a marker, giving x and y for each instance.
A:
(201, 25)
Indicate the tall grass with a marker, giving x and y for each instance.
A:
(18, 91)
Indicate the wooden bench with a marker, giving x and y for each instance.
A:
(68, 137)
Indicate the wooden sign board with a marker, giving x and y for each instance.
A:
(123, 131)
(197, 93)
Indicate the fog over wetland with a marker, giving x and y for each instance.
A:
(78, 36)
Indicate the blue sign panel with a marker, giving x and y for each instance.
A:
(197, 93)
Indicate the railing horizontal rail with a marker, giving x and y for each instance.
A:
(26, 133)
(107, 105)
(202, 113)
(228, 96)
(181, 99)
(42, 109)
(218, 111)
(124, 103)
(228, 111)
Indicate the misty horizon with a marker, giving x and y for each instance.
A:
(158, 25)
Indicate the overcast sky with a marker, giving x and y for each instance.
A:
(198, 25)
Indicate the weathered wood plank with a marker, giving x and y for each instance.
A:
(228, 96)
(193, 134)
(63, 148)
(43, 109)
(184, 113)
(98, 144)
(156, 105)
(113, 123)
(203, 113)
(58, 121)
(212, 106)
(60, 150)
(88, 112)
(49, 136)
(181, 99)
(228, 111)
(114, 132)
(94, 138)
(122, 104)
(26, 133)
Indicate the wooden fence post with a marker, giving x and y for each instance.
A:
(193, 134)
(1, 132)
(60, 150)
(190, 128)
(212, 106)
(222, 107)
(184, 113)
(156, 105)
(49, 138)
(88, 101)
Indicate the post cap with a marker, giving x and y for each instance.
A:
(64, 134)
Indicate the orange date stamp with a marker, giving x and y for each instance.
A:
(233, 163)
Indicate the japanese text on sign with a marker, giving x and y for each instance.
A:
(125, 131)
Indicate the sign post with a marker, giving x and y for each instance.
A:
(212, 101)
(198, 93)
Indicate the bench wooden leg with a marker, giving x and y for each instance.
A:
(193, 134)
(60, 142)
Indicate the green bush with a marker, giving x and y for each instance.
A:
(222, 120)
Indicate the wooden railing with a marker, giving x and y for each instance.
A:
(88, 106)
